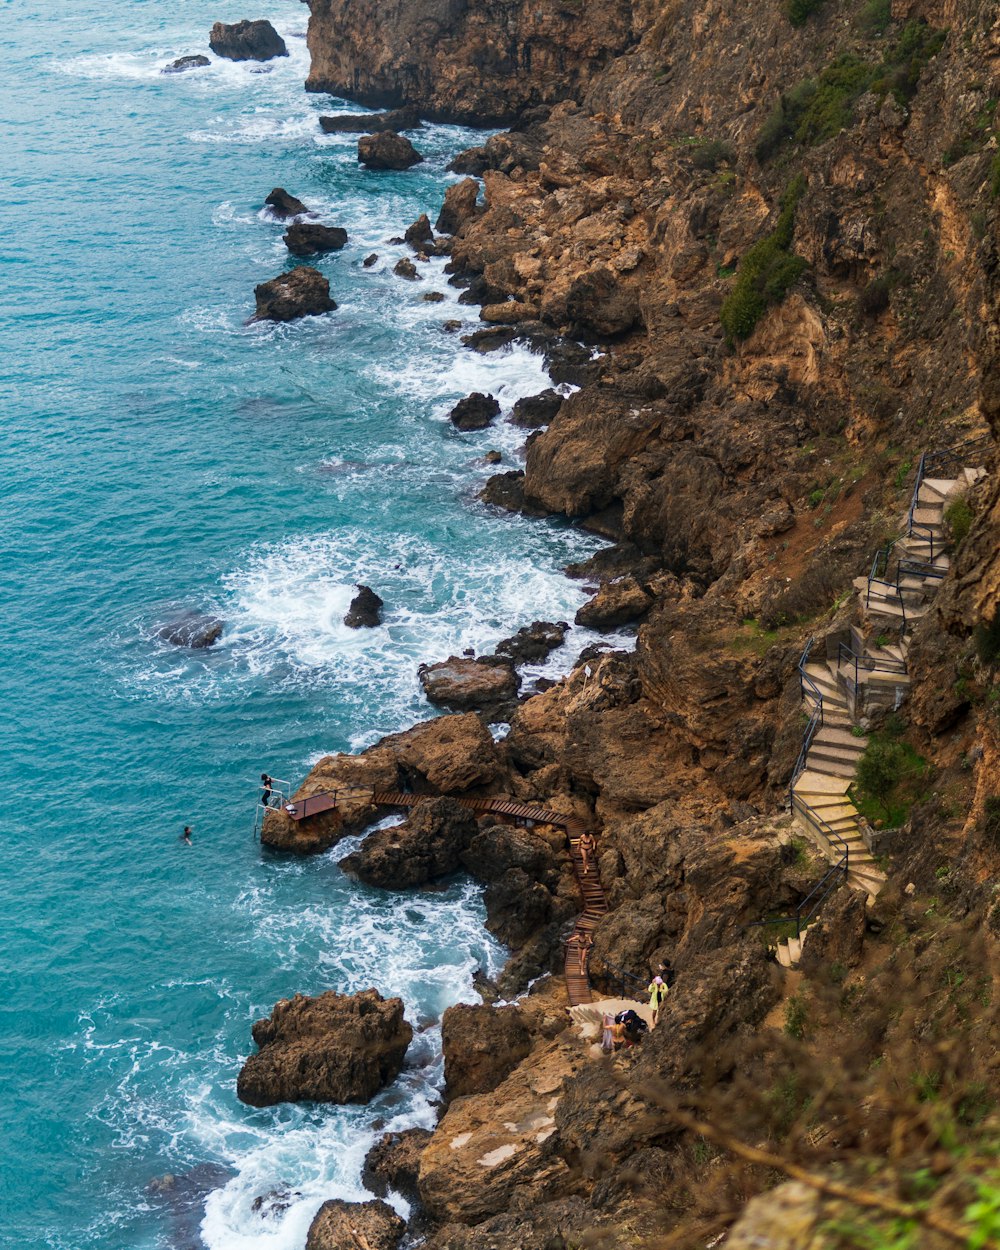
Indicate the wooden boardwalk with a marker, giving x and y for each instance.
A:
(594, 903)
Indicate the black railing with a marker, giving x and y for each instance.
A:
(612, 981)
(810, 693)
(868, 663)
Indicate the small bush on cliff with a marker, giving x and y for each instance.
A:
(874, 299)
(958, 518)
(890, 778)
(766, 272)
(875, 17)
(713, 153)
(799, 12)
(986, 637)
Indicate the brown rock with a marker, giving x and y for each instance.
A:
(333, 1048)
(184, 63)
(492, 852)
(836, 939)
(340, 1225)
(432, 297)
(600, 303)
(475, 412)
(283, 205)
(536, 410)
(482, 1046)
(371, 123)
(510, 312)
(420, 234)
(516, 907)
(365, 611)
(615, 604)
(784, 1219)
(370, 260)
(427, 846)
(393, 1163)
(246, 41)
(450, 753)
(387, 150)
(459, 206)
(305, 238)
(405, 268)
(462, 683)
(303, 292)
(533, 642)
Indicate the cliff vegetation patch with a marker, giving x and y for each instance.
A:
(766, 272)
(816, 109)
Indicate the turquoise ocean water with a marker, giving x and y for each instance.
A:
(159, 454)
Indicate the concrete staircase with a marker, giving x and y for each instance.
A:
(869, 673)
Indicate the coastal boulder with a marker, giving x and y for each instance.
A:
(393, 1163)
(340, 1225)
(282, 205)
(405, 268)
(425, 847)
(459, 206)
(449, 753)
(482, 1046)
(533, 642)
(616, 603)
(387, 150)
(246, 41)
(196, 630)
(365, 611)
(463, 683)
(338, 1048)
(306, 238)
(303, 292)
(371, 123)
(536, 410)
(420, 236)
(599, 303)
(475, 412)
(497, 849)
(185, 63)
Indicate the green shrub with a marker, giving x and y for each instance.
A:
(875, 17)
(991, 821)
(890, 778)
(958, 518)
(799, 12)
(766, 272)
(815, 110)
(713, 153)
(986, 637)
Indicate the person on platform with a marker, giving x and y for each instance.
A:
(268, 784)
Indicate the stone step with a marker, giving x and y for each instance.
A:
(871, 882)
(931, 493)
(928, 515)
(813, 782)
(941, 485)
(831, 736)
(834, 767)
(894, 611)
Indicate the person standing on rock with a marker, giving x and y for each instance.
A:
(587, 846)
(657, 990)
(186, 836)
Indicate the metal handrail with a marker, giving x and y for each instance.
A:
(613, 973)
(807, 685)
(870, 663)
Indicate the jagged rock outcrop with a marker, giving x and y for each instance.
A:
(533, 642)
(371, 123)
(333, 1048)
(459, 206)
(478, 64)
(306, 238)
(282, 205)
(365, 611)
(340, 1225)
(246, 41)
(426, 847)
(482, 1046)
(475, 412)
(537, 410)
(303, 292)
(393, 1163)
(387, 150)
(459, 683)
(184, 63)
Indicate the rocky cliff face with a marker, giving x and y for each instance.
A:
(481, 64)
(779, 247)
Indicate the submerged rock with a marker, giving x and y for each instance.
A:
(365, 611)
(283, 205)
(475, 412)
(246, 41)
(426, 847)
(303, 292)
(387, 150)
(305, 238)
(340, 1225)
(184, 63)
(192, 629)
(462, 683)
(371, 123)
(340, 1048)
